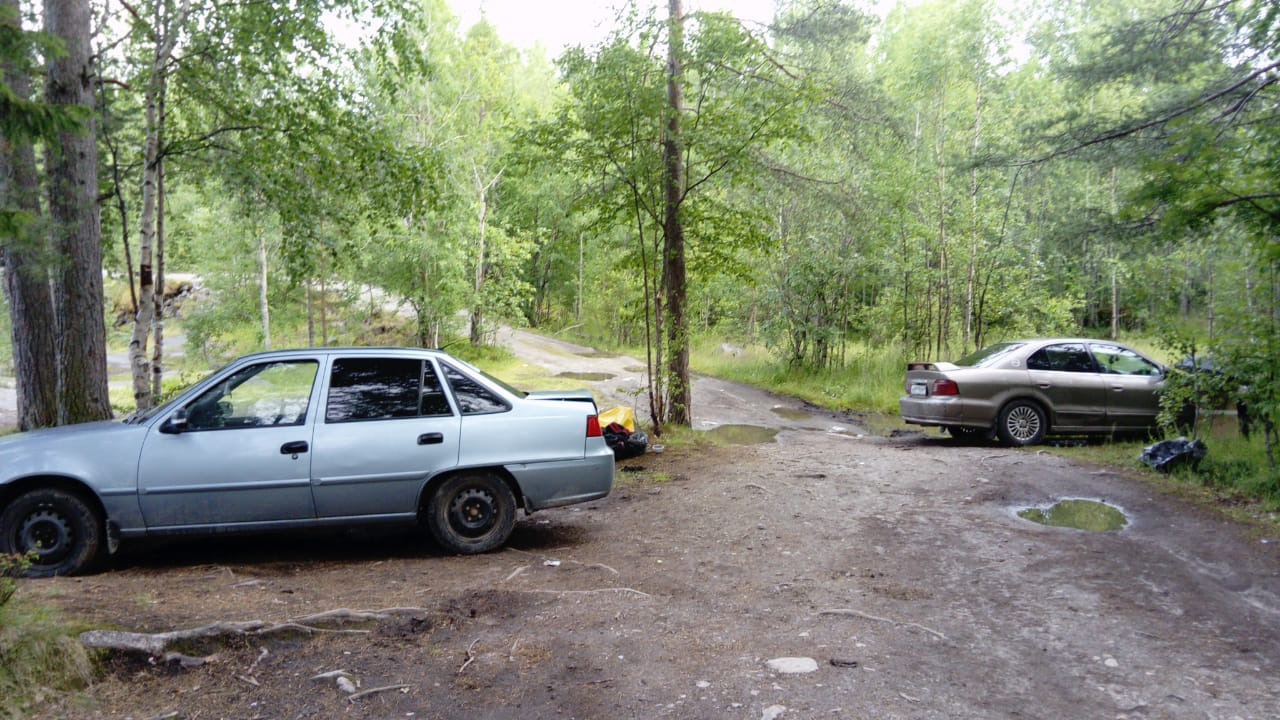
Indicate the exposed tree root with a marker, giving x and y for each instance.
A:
(158, 643)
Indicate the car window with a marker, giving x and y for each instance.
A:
(373, 389)
(267, 394)
(1065, 357)
(988, 355)
(1123, 361)
(473, 398)
(433, 400)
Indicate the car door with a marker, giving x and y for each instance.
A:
(1132, 384)
(1066, 374)
(386, 427)
(237, 453)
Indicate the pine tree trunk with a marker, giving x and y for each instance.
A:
(72, 166)
(673, 265)
(26, 278)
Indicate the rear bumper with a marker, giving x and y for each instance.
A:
(565, 482)
(946, 410)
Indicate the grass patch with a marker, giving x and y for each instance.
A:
(39, 656)
(1234, 476)
(870, 380)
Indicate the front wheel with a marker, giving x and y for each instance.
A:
(59, 528)
(471, 513)
(1022, 422)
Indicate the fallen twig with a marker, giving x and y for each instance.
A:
(329, 675)
(261, 654)
(470, 655)
(515, 572)
(187, 661)
(602, 566)
(867, 616)
(589, 592)
(371, 691)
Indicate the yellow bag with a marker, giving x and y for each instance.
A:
(624, 416)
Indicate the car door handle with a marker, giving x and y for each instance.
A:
(430, 438)
(1045, 386)
(293, 448)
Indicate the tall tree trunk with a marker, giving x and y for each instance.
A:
(1111, 257)
(166, 34)
(975, 229)
(673, 264)
(72, 167)
(157, 316)
(477, 314)
(482, 188)
(263, 306)
(26, 276)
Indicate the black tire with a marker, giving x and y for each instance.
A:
(63, 531)
(471, 513)
(1022, 422)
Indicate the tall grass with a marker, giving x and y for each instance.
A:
(39, 656)
(870, 380)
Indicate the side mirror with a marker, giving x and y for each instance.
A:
(176, 423)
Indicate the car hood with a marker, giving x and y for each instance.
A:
(68, 448)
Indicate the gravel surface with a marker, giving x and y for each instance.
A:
(824, 573)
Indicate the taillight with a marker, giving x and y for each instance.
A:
(593, 426)
(943, 386)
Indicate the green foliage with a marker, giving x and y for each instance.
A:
(11, 567)
(39, 654)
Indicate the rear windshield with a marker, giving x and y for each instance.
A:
(989, 355)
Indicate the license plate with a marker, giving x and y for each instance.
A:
(919, 389)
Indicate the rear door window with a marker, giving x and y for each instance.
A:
(1065, 357)
(374, 389)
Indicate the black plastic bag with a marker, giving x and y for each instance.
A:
(623, 443)
(1168, 454)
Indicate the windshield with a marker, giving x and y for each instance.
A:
(989, 355)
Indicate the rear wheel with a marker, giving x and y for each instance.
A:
(471, 513)
(58, 527)
(1022, 422)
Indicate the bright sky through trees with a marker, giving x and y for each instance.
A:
(557, 24)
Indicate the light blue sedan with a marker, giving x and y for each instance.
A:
(305, 439)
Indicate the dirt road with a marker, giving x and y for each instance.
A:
(897, 565)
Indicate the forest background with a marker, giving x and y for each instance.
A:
(827, 195)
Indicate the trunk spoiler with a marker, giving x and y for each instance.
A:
(940, 366)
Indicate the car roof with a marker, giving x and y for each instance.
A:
(329, 350)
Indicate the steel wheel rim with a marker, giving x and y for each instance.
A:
(46, 533)
(1023, 423)
(473, 512)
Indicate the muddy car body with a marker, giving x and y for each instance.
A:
(301, 439)
(1023, 390)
